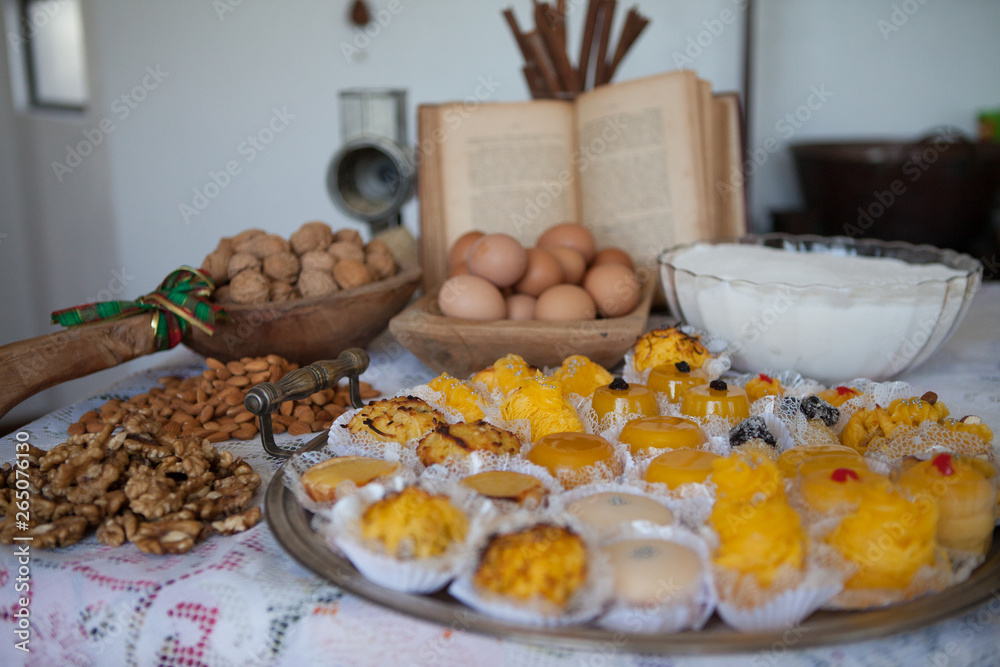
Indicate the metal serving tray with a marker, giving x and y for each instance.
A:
(290, 524)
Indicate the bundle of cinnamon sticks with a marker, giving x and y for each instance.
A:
(547, 66)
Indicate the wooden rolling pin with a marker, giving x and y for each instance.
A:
(29, 366)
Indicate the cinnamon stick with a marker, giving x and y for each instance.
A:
(556, 48)
(522, 43)
(587, 44)
(541, 57)
(635, 23)
(607, 13)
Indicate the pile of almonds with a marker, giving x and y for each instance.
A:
(257, 267)
(210, 405)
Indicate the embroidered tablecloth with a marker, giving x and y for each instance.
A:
(240, 600)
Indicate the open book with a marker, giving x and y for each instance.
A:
(644, 164)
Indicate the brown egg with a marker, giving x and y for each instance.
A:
(543, 272)
(459, 269)
(499, 258)
(563, 303)
(612, 256)
(572, 262)
(614, 288)
(520, 307)
(460, 248)
(570, 235)
(471, 298)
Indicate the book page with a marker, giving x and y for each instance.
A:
(729, 184)
(705, 117)
(641, 178)
(506, 168)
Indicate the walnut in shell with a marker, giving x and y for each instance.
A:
(263, 245)
(318, 260)
(222, 294)
(311, 236)
(351, 273)
(242, 261)
(216, 265)
(346, 250)
(245, 235)
(249, 287)
(316, 283)
(381, 266)
(281, 291)
(283, 266)
(349, 235)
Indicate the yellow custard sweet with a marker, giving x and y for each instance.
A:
(759, 539)
(459, 396)
(738, 479)
(543, 562)
(763, 385)
(540, 400)
(516, 487)
(572, 457)
(680, 466)
(790, 459)
(716, 398)
(321, 480)
(624, 398)
(648, 434)
(832, 461)
(759, 532)
(668, 346)
(866, 425)
(414, 524)
(965, 489)
(837, 396)
(674, 380)
(579, 375)
(824, 490)
(888, 537)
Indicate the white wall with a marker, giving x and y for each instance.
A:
(939, 67)
(118, 211)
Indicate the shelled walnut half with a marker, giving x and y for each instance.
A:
(132, 481)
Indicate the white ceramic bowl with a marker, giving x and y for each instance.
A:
(825, 332)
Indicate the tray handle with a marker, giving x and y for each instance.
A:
(266, 397)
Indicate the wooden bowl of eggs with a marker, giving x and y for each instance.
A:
(561, 297)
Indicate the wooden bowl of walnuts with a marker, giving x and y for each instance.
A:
(305, 298)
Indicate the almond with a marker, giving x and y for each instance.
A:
(217, 436)
(256, 366)
(244, 432)
(244, 416)
(299, 428)
(214, 364)
(235, 367)
(238, 381)
(77, 428)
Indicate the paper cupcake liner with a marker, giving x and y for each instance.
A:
(787, 609)
(424, 575)
(584, 605)
(671, 616)
(926, 580)
(559, 503)
(792, 383)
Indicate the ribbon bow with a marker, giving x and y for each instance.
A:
(179, 303)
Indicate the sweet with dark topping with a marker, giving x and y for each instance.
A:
(814, 407)
(753, 428)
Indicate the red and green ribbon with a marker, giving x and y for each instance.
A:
(180, 302)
